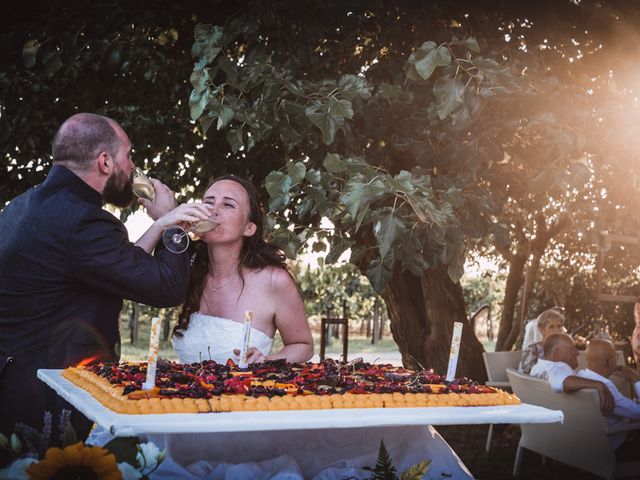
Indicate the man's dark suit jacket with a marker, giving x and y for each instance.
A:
(65, 266)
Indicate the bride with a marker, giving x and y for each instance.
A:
(235, 270)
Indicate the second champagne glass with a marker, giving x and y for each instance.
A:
(176, 238)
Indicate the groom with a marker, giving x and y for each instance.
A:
(66, 266)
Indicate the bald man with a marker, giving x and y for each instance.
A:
(66, 264)
(558, 367)
(601, 364)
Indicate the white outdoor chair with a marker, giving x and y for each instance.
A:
(496, 364)
(581, 440)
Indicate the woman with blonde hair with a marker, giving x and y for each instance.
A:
(548, 322)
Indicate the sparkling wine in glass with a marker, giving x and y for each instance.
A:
(176, 238)
(142, 186)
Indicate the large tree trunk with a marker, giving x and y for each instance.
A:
(511, 325)
(531, 277)
(515, 279)
(422, 313)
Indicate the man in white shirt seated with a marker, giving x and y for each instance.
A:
(558, 367)
(601, 363)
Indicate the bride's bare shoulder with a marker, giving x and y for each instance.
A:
(275, 277)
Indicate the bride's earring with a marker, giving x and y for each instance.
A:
(250, 229)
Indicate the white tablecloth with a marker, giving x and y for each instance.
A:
(318, 444)
(320, 454)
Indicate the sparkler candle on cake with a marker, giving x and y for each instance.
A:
(455, 351)
(246, 335)
(152, 361)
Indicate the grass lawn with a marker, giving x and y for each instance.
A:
(468, 442)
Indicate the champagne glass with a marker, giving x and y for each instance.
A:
(142, 186)
(176, 238)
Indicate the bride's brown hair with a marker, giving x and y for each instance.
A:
(255, 254)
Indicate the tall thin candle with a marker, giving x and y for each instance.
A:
(246, 336)
(152, 361)
(455, 351)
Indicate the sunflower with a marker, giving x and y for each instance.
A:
(76, 462)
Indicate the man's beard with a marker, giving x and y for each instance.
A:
(118, 190)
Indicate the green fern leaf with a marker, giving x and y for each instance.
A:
(384, 469)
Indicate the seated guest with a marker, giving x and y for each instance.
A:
(601, 363)
(558, 367)
(548, 322)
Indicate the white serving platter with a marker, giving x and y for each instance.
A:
(124, 425)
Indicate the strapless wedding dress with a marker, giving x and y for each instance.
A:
(214, 338)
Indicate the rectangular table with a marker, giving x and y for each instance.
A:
(125, 425)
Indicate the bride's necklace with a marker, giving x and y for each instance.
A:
(224, 284)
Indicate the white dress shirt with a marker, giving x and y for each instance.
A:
(625, 407)
(554, 372)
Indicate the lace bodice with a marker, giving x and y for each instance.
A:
(216, 335)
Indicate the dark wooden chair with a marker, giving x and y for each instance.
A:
(325, 322)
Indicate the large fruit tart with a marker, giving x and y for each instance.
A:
(276, 385)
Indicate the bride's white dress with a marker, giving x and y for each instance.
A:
(321, 454)
(214, 338)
